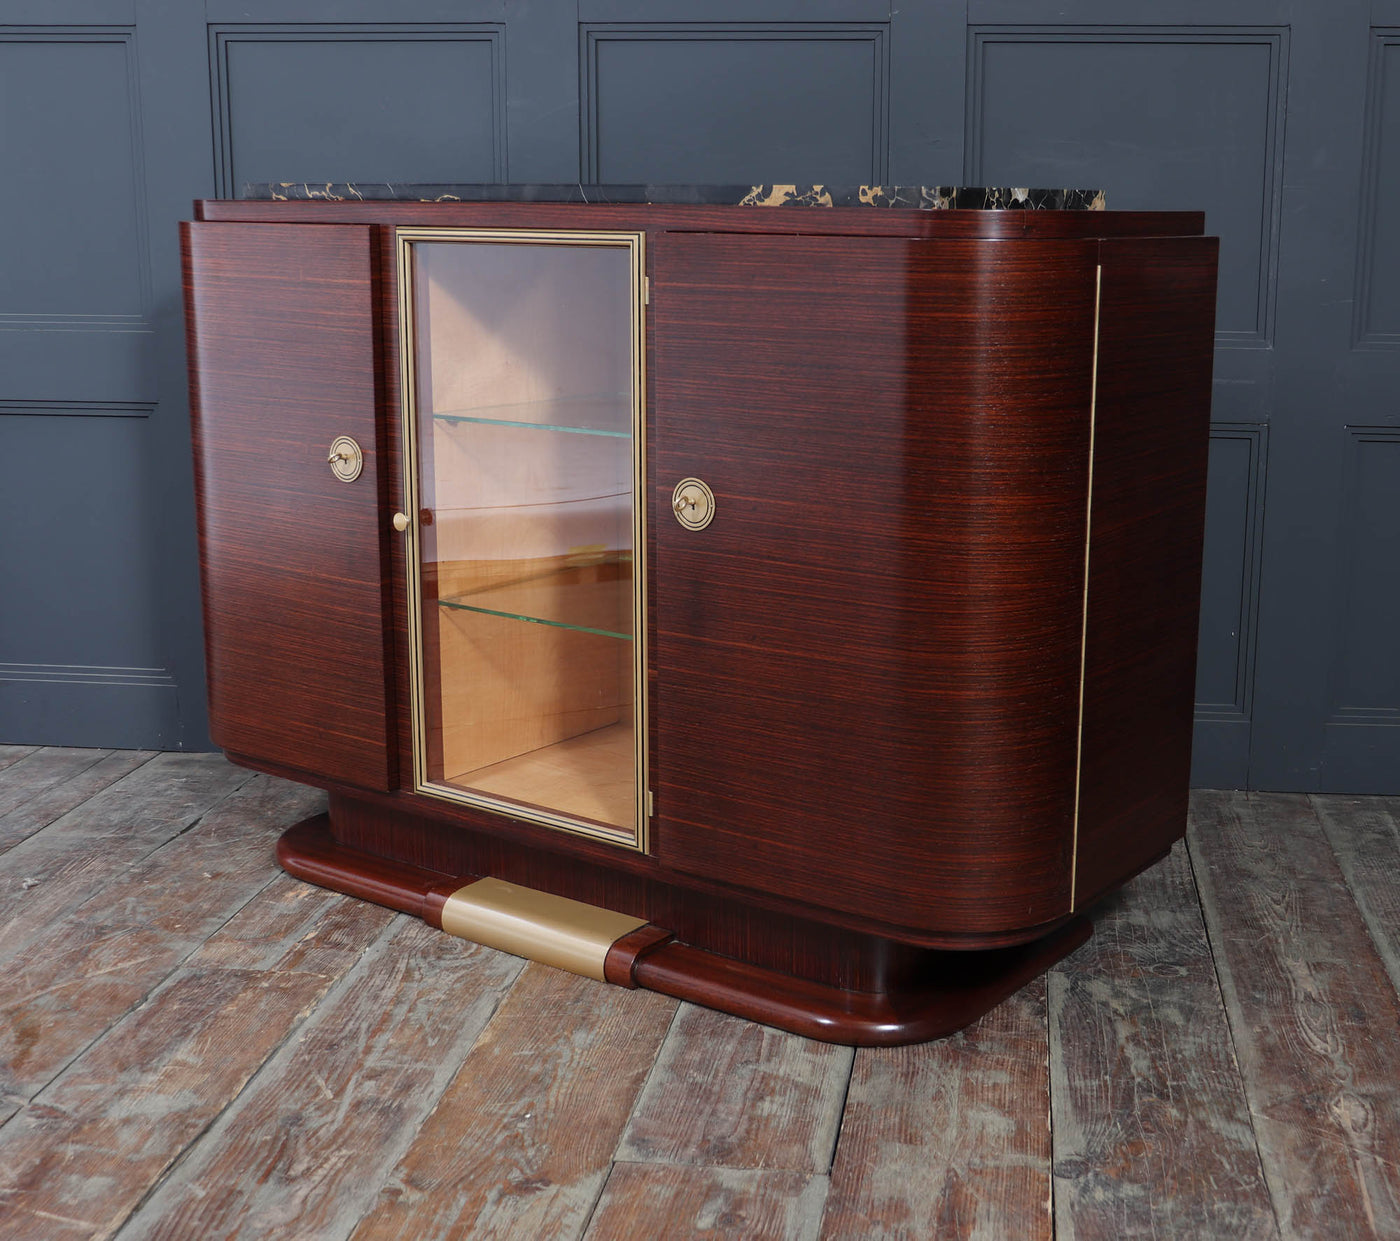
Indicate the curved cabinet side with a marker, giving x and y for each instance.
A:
(867, 667)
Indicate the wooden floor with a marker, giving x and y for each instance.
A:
(192, 1045)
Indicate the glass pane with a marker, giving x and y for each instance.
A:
(523, 375)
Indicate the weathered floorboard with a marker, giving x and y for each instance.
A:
(84, 969)
(11, 754)
(304, 1149)
(46, 805)
(1151, 1128)
(729, 1093)
(290, 925)
(1364, 833)
(949, 1139)
(521, 1143)
(41, 770)
(1315, 1018)
(77, 1160)
(675, 1201)
(43, 877)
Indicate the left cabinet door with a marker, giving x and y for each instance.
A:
(281, 333)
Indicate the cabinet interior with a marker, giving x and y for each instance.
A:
(525, 406)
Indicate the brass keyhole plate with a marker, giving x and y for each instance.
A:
(345, 459)
(693, 503)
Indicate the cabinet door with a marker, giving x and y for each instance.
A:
(281, 336)
(868, 663)
(522, 404)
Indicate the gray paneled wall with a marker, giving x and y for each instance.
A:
(1280, 118)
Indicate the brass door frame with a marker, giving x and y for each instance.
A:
(635, 243)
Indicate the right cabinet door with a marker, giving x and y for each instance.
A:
(867, 666)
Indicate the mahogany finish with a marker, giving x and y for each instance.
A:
(939, 995)
(845, 661)
(865, 674)
(1151, 439)
(281, 330)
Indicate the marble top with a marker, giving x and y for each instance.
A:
(917, 197)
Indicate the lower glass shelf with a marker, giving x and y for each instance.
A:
(594, 597)
(533, 620)
(589, 776)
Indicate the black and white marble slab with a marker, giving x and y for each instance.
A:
(916, 197)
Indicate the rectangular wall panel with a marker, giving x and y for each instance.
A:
(75, 281)
(1160, 117)
(1362, 747)
(1366, 681)
(363, 103)
(1378, 265)
(1229, 604)
(80, 661)
(691, 103)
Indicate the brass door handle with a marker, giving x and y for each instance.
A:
(401, 522)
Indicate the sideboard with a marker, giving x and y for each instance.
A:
(790, 608)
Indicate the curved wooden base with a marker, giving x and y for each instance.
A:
(951, 991)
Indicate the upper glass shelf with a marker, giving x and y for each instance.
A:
(603, 414)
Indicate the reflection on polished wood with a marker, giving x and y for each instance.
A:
(589, 776)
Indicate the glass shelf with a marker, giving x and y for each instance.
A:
(590, 594)
(533, 620)
(584, 415)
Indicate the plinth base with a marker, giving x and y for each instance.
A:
(952, 989)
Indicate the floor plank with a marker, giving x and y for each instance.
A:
(1364, 833)
(11, 754)
(86, 967)
(45, 806)
(729, 1093)
(78, 1160)
(521, 1143)
(949, 1139)
(1314, 1016)
(304, 1149)
(1144, 1079)
(41, 770)
(291, 925)
(673, 1202)
(80, 853)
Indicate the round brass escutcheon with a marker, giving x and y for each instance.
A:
(345, 458)
(693, 503)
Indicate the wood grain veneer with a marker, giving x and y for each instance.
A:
(887, 719)
(281, 332)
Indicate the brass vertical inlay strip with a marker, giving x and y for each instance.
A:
(1084, 621)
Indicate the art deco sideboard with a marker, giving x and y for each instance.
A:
(787, 608)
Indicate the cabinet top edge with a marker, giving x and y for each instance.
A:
(902, 197)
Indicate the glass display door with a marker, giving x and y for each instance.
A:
(522, 367)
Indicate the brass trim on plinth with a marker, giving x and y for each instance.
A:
(553, 930)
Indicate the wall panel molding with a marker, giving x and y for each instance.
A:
(1382, 155)
(81, 409)
(595, 36)
(123, 37)
(226, 39)
(86, 674)
(1366, 663)
(1258, 333)
(1247, 495)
